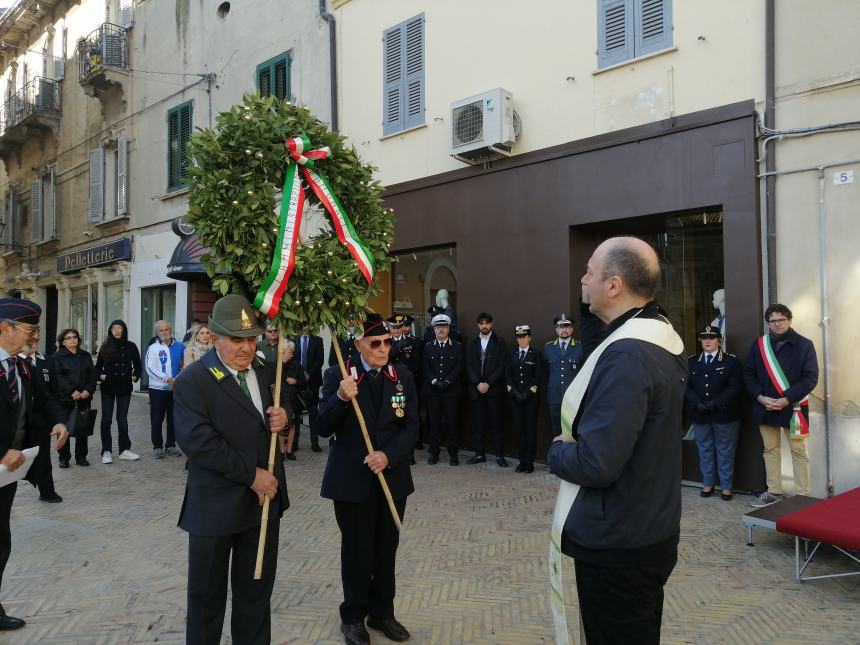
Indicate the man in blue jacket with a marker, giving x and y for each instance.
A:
(780, 372)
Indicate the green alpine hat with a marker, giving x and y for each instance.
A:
(234, 316)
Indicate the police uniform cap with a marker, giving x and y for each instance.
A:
(234, 316)
(562, 319)
(440, 319)
(400, 319)
(522, 330)
(710, 332)
(20, 310)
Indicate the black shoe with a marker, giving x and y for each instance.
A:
(727, 497)
(64, 463)
(433, 460)
(355, 634)
(411, 460)
(52, 498)
(530, 468)
(390, 627)
(316, 447)
(706, 493)
(454, 461)
(289, 455)
(502, 463)
(477, 459)
(8, 623)
(521, 468)
(82, 462)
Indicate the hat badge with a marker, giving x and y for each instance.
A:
(246, 321)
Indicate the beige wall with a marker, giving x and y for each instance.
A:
(544, 53)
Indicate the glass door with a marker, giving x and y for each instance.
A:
(156, 303)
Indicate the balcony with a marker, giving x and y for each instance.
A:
(103, 59)
(35, 107)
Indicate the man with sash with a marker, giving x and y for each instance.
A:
(619, 508)
(780, 372)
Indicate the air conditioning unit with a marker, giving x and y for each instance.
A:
(484, 127)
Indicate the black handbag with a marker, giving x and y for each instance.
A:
(81, 422)
(307, 398)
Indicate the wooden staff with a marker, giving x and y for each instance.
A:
(367, 442)
(273, 442)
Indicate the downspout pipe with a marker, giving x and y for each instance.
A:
(332, 54)
(770, 159)
(825, 326)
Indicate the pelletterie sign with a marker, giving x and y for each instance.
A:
(95, 256)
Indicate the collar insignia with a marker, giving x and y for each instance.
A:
(217, 373)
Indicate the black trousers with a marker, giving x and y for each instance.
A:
(208, 563)
(487, 411)
(555, 418)
(622, 605)
(524, 422)
(161, 405)
(7, 496)
(46, 484)
(442, 415)
(369, 540)
(81, 443)
(121, 401)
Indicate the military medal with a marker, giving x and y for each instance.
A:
(398, 402)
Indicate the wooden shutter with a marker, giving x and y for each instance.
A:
(126, 14)
(414, 32)
(15, 209)
(184, 136)
(97, 173)
(122, 176)
(264, 80)
(59, 68)
(653, 25)
(36, 218)
(281, 73)
(6, 228)
(614, 32)
(393, 81)
(172, 149)
(49, 206)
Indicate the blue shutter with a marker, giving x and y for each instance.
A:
(97, 173)
(652, 24)
(414, 32)
(393, 79)
(36, 211)
(122, 176)
(614, 31)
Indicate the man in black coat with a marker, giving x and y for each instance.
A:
(486, 360)
(523, 376)
(623, 527)
(347, 347)
(782, 409)
(224, 420)
(369, 535)
(309, 354)
(23, 396)
(442, 389)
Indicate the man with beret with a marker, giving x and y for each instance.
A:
(523, 376)
(442, 389)
(562, 356)
(369, 535)
(486, 360)
(23, 396)
(713, 402)
(224, 420)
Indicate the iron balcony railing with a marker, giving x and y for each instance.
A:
(39, 96)
(107, 46)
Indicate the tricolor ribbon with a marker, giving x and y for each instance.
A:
(269, 296)
(798, 427)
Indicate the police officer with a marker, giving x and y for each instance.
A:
(442, 389)
(524, 373)
(562, 357)
(712, 395)
(405, 348)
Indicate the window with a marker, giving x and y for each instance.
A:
(632, 28)
(43, 208)
(10, 216)
(178, 133)
(403, 76)
(109, 181)
(273, 77)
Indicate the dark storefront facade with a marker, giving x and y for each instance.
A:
(513, 239)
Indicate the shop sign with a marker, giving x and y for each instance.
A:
(95, 256)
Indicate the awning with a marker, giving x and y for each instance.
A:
(185, 262)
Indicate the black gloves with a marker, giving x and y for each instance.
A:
(705, 407)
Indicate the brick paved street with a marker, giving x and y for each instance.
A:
(108, 564)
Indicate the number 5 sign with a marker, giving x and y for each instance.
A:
(842, 177)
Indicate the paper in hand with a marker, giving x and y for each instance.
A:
(7, 476)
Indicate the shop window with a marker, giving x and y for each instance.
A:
(113, 305)
(418, 277)
(156, 303)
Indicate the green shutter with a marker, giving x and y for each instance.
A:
(179, 125)
(273, 77)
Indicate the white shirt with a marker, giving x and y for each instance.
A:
(485, 340)
(253, 386)
(712, 354)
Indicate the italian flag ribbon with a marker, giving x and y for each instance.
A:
(798, 427)
(299, 172)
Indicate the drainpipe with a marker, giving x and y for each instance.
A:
(332, 54)
(770, 159)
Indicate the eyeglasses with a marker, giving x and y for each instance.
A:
(70, 338)
(271, 331)
(30, 332)
(374, 344)
(777, 321)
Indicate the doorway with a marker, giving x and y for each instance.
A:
(156, 303)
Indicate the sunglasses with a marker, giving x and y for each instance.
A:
(374, 344)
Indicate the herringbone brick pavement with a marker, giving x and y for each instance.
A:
(108, 565)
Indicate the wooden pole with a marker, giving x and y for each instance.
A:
(394, 514)
(273, 442)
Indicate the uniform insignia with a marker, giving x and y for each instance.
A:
(246, 321)
(260, 353)
(217, 373)
(399, 387)
(398, 402)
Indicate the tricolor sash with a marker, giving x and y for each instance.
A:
(651, 330)
(292, 203)
(798, 427)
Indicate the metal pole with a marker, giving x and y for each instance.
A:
(825, 325)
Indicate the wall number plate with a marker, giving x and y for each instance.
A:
(841, 177)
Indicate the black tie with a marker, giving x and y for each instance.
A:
(12, 378)
(374, 373)
(522, 354)
(563, 347)
(710, 358)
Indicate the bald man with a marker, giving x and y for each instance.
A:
(623, 525)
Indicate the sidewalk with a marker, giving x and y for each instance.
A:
(108, 565)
